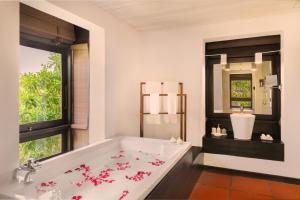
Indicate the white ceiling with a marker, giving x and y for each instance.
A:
(158, 14)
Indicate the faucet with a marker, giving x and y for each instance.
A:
(241, 108)
(30, 168)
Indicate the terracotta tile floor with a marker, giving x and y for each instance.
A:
(218, 186)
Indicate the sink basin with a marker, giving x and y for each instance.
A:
(242, 124)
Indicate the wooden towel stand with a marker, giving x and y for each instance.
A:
(182, 110)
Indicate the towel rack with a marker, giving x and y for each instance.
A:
(181, 113)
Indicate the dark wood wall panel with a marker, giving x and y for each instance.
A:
(243, 50)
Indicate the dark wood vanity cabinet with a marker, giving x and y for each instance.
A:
(243, 51)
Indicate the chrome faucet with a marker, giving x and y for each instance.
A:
(30, 168)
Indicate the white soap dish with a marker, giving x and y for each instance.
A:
(218, 134)
(266, 137)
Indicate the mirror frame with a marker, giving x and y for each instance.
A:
(243, 50)
(276, 99)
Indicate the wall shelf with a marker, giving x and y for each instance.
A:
(245, 148)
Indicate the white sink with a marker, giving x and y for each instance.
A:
(242, 124)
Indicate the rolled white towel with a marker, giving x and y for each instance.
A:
(173, 140)
(179, 141)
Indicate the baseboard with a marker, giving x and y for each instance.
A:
(251, 174)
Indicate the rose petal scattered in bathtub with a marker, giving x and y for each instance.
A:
(137, 158)
(102, 177)
(76, 197)
(121, 151)
(41, 187)
(78, 183)
(123, 166)
(117, 156)
(51, 183)
(68, 171)
(44, 184)
(48, 184)
(124, 194)
(157, 162)
(41, 190)
(138, 176)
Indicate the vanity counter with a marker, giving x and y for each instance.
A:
(227, 145)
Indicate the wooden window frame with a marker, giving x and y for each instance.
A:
(44, 129)
(247, 77)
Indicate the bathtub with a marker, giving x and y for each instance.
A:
(120, 168)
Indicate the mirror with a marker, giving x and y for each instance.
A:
(243, 84)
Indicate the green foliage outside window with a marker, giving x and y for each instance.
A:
(40, 92)
(241, 93)
(241, 88)
(40, 148)
(41, 100)
(246, 104)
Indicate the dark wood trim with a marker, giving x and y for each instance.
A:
(27, 39)
(38, 130)
(38, 134)
(65, 52)
(245, 148)
(234, 172)
(244, 42)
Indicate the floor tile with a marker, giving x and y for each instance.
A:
(240, 195)
(214, 179)
(251, 185)
(262, 197)
(285, 191)
(206, 192)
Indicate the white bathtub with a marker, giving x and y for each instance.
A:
(118, 168)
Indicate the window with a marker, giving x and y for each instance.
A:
(40, 148)
(241, 90)
(43, 100)
(40, 86)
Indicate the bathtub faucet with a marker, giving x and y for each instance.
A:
(28, 169)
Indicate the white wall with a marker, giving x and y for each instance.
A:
(179, 54)
(173, 55)
(9, 63)
(122, 49)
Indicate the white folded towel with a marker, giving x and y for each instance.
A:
(172, 103)
(154, 104)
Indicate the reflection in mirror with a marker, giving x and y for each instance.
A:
(242, 84)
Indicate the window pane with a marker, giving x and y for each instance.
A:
(40, 86)
(241, 88)
(40, 148)
(246, 104)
